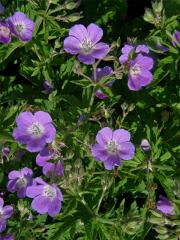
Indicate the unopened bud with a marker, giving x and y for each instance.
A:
(145, 146)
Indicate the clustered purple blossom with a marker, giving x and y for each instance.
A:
(18, 25)
(34, 130)
(100, 73)
(19, 181)
(139, 66)
(84, 42)
(112, 147)
(5, 213)
(50, 168)
(46, 198)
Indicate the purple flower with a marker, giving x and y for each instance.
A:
(142, 49)
(46, 198)
(49, 168)
(100, 73)
(112, 147)
(19, 181)
(129, 50)
(35, 130)
(126, 50)
(5, 213)
(6, 151)
(85, 42)
(162, 47)
(5, 34)
(164, 205)
(7, 237)
(48, 87)
(21, 26)
(139, 72)
(145, 146)
(176, 38)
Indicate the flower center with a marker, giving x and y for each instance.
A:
(20, 27)
(36, 130)
(1, 213)
(22, 182)
(135, 70)
(112, 147)
(4, 31)
(49, 192)
(86, 46)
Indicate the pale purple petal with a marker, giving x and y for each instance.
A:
(1, 202)
(145, 62)
(43, 157)
(126, 151)
(127, 49)
(78, 31)
(72, 45)
(24, 119)
(133, 84)
(50, 133)
(42, 117)
(12, 185)
(26, 171)
(109, 163)
(54, 207)
(7, 211)
(95, 33)
(104, 136)
(14, 174)
(142, 48)
(2, 225)
(164, 205)
(123, 58)
(36, 145)
(121, 135)
(21, 135)
(145, 78)
(21, 193)
(40, 204)
(34, 191)
(86, 59)
(48, 168)
(100, 94)
(99, 153)
(100, 51)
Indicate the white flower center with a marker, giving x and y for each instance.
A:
(1, 213)
(36, 130)
(49, 192)
(22, 182)
(20, 27)
(86, 46)
(4, 31)
(135, 70)
(112, 148)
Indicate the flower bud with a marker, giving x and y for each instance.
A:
(145, 146)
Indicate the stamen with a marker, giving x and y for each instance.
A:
(36, 130)
(22, 182)
(112, 147)
(135, 70)
(49, 192)
(86, 46)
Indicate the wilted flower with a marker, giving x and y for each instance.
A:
(7, 237)
(19, 181)
(49, 168)
(5, 34)
(46, 198)
(112, 147)
(35, 130)
(85, 42)
(164, 205)
(6, 151)
(145, 146)
(139, 72)
(100, 73)
(176, 38)
(48, 87)
(21, 26)
(5, 213)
